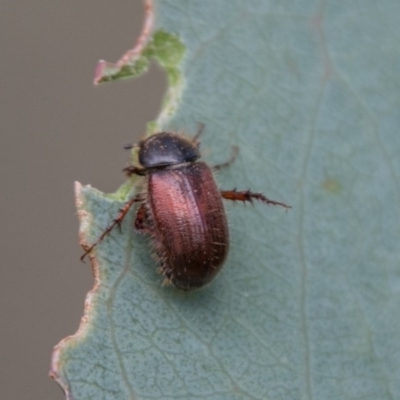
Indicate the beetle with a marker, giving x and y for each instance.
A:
(181, 209)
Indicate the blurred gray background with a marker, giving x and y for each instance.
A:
(56, 127)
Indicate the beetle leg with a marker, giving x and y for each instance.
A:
(133, 170)
(116, 222)
(235, 151)
(140, 218)
(247, 195)
(142, 221)
(200, 130)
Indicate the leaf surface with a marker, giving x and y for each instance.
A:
(306, 306)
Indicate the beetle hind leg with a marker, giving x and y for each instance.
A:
(247, 195)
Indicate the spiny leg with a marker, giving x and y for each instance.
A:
(117, 221)
(143, 222)
(247, 195)
(235, 152)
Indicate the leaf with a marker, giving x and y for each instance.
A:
(306, 306)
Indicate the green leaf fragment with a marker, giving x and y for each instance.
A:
(164, 47)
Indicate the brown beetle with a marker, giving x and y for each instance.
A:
(182, 209)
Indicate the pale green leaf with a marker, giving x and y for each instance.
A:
(307, 305)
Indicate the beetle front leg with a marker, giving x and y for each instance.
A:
(133, 170)
(247, 195)
(116, 222)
